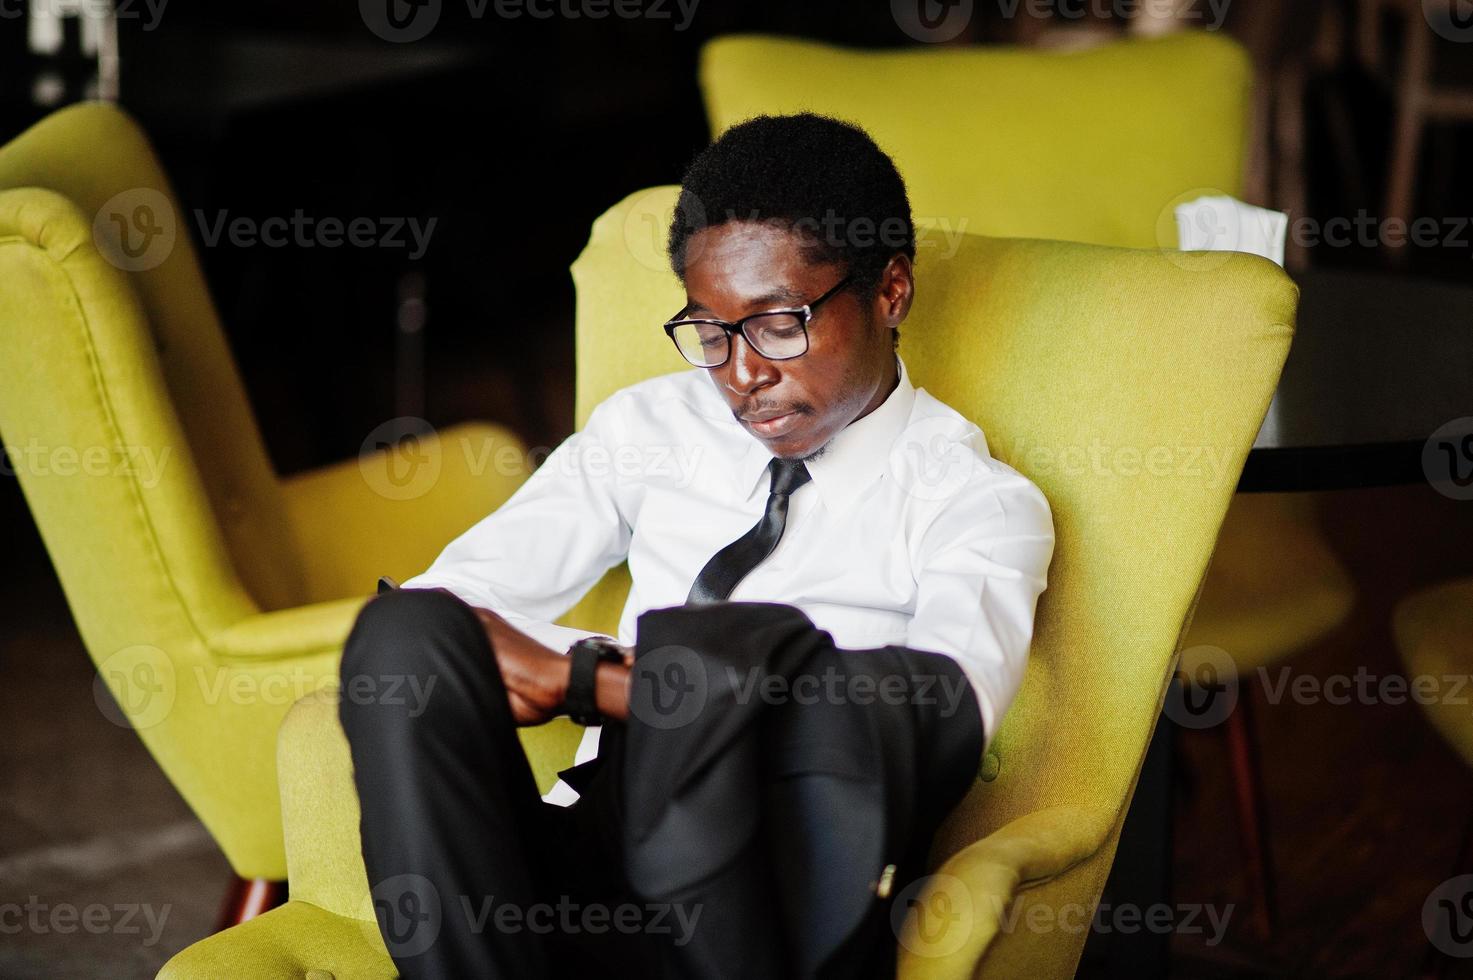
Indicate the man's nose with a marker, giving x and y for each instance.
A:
(748, 370)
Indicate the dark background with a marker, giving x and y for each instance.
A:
(513, 135)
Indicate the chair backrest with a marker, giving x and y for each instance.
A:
(138, 452)
(1128, 384)
(1089, 146)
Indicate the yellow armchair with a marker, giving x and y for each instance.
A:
(210, 592)
(1094, 146)
(1077, 364)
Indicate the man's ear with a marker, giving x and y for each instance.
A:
(896, 292)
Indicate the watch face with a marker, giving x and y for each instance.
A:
(607, 649)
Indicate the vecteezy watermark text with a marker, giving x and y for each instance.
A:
(404, 21)
(149, 12)
(834, 686)
(939, 21)
(409, 912)
(66, 918)
(305, 231)
(146, 463)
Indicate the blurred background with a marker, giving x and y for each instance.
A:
(1318, 830)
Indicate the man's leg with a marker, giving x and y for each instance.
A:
(782, 837)
(453, 826)
(909, 719)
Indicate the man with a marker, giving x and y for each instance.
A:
(792, 509)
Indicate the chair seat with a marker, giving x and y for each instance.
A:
(1274, 585)
(1434, 635)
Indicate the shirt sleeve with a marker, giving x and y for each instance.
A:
(983, 563)
(536, 555)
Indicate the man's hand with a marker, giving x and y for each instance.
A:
(536, 676)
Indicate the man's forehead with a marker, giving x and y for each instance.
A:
(768, 295)
(747, 263)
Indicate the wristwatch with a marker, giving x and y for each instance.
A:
(587, 654)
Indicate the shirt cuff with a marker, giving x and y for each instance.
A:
(559, 638)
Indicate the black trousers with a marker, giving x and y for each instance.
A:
(473, 875)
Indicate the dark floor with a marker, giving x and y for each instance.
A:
(111, 871)
(1367, 802)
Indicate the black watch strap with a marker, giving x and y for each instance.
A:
(581, 701)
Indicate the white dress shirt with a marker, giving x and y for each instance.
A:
(909, 533)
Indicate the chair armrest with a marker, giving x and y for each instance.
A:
(975, 889)
(319, 809)
(295, 941)
(319, 802)
(391, 512)
(289, 633)
(328, 929)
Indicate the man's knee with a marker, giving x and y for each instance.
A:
(390, 632)
(411, 651)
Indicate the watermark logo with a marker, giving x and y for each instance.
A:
(933, 916)
(400, 21)
(1447, 916)
(669, 687)
(408, 911)
(401, 459)
(1447, 459)
(1205, 688)
(932, 21)
(135, 230)
(135, 687)
(1451, 20)
(1198, 231)
(929, 462)
(646, 229)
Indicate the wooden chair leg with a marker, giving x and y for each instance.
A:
(1288, 142)
(246, 898)
(1252, 822)
(1401, 175)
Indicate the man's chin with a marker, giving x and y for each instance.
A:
(797, 445)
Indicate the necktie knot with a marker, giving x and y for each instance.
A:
(787, 475)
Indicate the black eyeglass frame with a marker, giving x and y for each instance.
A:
(805, 314)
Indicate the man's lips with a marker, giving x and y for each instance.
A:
(764, 416)
(771, 423)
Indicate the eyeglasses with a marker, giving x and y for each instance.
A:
(777, 335)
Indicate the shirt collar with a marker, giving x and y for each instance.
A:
(856, 455)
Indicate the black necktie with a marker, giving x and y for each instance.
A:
(731, 564)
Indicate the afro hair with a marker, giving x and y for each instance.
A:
(820, 177)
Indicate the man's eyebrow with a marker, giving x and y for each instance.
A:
(779, 296)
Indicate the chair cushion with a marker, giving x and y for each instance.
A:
(1434, 634)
